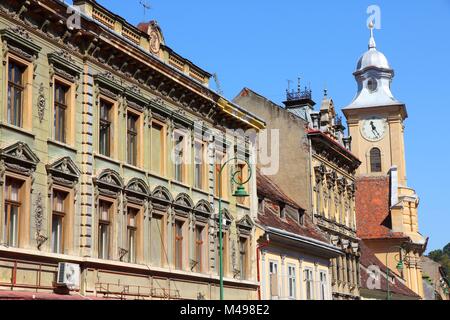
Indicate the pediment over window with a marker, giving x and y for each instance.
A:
(227, 218)
(203, 208)
(19, 42)
(109, 181)
(183, 203)
(137, 188)
(62, 63)
(19, 158)
(245, 225)
(162, 196)
(64, 170)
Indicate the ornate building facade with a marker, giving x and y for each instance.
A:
(387, 208)
(315, 142)
(110, 144)
(333, 169)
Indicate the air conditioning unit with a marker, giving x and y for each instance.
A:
(69, 275)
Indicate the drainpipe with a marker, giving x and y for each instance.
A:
(258, 255)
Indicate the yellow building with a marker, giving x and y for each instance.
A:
(293, 254)
(110, 144)
(387, 208)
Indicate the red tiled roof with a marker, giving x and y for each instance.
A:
(270, 218)
(373, 217)
(368, 259)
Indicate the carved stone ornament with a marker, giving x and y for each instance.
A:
(41, 102)
(38, 221)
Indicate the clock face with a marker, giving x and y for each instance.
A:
(374, 128)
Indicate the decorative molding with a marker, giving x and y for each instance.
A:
(38, 221)
(41, 103)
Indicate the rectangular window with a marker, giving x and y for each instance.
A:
(106, 128)
(157, 240)
(220, 189)
(13, 204)
(132, 138)
(104, 226)
(323, 285)
(158, 148)
(243, 257)
(292, 282)
(224, 253)
(58, 217)
(16, 88)
(200, 164)
(309, 284)
(132, 228)
(199, 247)
(179, 245)
(273, 274)
(60, 111)
(179, 156)
(241, 177)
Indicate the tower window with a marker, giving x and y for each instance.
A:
(372, 84)
(375, 160)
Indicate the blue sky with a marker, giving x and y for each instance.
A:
(260, 44)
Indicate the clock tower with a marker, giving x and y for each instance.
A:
(386, 207)
(375, 117)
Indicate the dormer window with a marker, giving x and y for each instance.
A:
(282, 211)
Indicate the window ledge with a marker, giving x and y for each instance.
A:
(62, 145)
(106, 158)
(131, 167)
(158, 176)
(180, 184)
(17, 129)
(206, 193)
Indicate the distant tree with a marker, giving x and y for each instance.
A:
(442, 257)
(446, 250)
(436, 255)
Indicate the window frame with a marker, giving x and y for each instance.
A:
(246, 263)
(309, 282)
(26, 118)
(376, 165)
(110, 224)
(7, 206)
(272, 264)
(323, 285)
(163, 151)
(292, 277)
(179, 262)
(225, 181)
(68, 218)
(184, 156)
(138, 135)
(113, 128)
(200, 266)
(203, 165)
(137, 230)
(69, 112)
(162, 237)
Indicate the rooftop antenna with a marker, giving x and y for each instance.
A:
(289, 85)
(298, 85)
(146, 6)
(218, 86)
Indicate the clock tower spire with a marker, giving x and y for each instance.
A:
(375, 117)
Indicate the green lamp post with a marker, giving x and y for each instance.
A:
(400, 267)
(239, 193)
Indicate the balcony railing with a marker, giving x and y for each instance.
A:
(299, 95)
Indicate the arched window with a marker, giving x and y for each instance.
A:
(375, 160)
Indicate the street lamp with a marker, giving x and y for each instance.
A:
(239, 193)
(400, 267)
